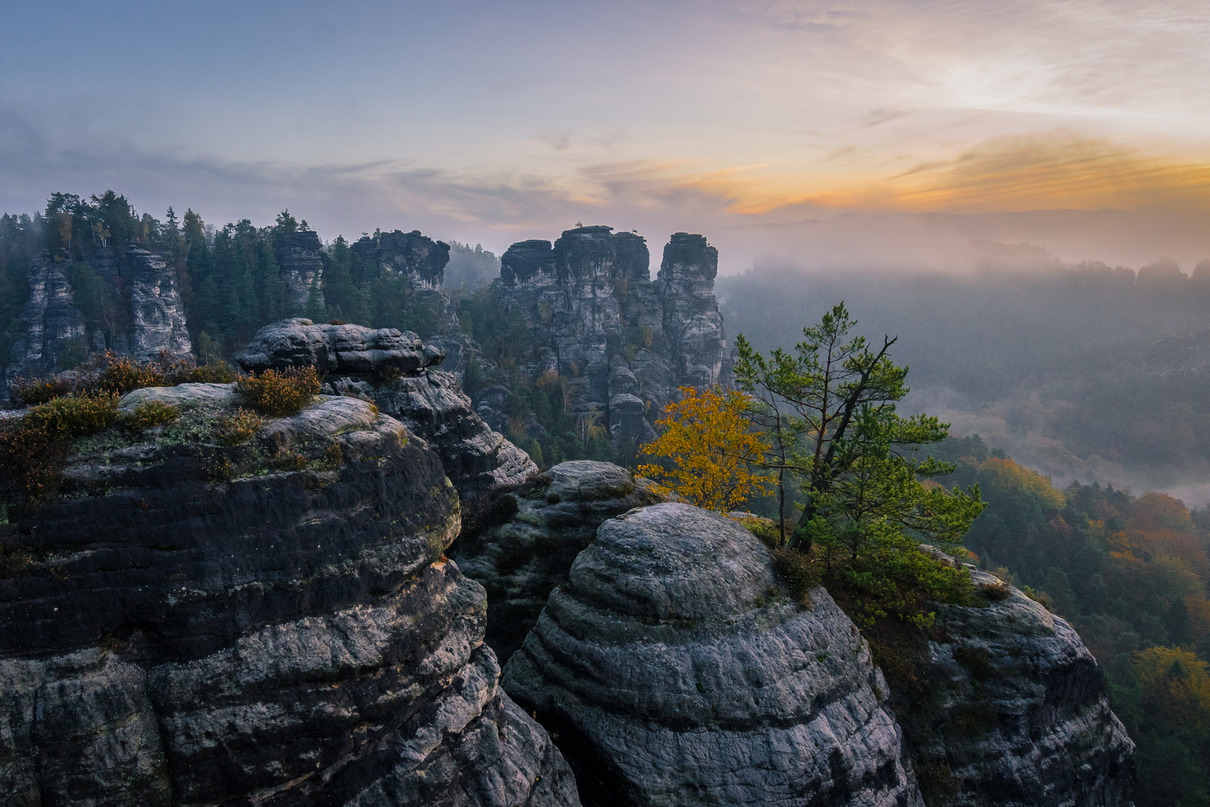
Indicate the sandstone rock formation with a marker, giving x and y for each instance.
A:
(519, 542)
(1179, 355)
(50, 323)
(422, 261)
(411, 254)
(53, 327)
(398, 372)
(1014, 712)
(159, 316)
(271, 622)
(676, 671)
(301, 259)
(625, 342)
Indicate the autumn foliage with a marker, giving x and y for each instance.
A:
(708, 447)
(278, 394)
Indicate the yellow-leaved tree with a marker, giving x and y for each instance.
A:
(709, 448)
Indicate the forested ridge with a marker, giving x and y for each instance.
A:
(228, 276)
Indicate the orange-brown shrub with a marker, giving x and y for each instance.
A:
(278, 394)
(149, 414)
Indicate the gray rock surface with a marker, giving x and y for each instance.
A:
(50, 322)
(1179, 356)
(189, 624)
(301, 261)
(412, 254)
(623, 341)
(674, 671)
(397, 371)
(519, 542)
(159, 316)
(53, 326)
(1014, 713)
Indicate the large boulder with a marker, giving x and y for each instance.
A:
(1011, 710)
(676, 670)
(519, 542)
(210, 615)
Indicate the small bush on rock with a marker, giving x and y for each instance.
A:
(278, 394)
(34, 391)
(121, 374)
(238, 427)
(150, 414)
(33, 447)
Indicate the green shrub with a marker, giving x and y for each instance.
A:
(797, 572)
(766, 529)
(33, 447)
(278, 394)
(149, 414)
(75, 416)
(995, 591)
(288, 460)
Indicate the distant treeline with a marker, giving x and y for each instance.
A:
(229, 278)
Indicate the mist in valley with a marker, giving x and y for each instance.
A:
(1086, 372)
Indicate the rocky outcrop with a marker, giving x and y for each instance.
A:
(422, 261)
(1014, 712)
(51, 323)
(159, 317)
(397, 371)
(301, 261)
(692, 322)
(623, 342)
(411, 254)
(676, 671)
(271, 622)
(519, 542)
(54, 332)
(1162, 275)
(1179, 355)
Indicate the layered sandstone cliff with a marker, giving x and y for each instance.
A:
(398, 372)
(625, 342)
(200, 620)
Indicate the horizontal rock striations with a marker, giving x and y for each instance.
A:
(1013, 712)
(519, 542)
(398, 372)
(623, 341)
(192, 623)
(675, 671)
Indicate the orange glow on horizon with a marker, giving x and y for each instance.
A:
(1010, 175)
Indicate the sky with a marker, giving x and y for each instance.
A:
(883, 133)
